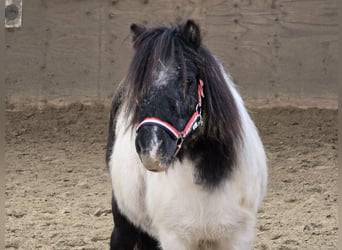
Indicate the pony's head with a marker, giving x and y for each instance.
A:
(166, 92)
(165, 75)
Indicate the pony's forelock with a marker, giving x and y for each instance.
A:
(154, 48)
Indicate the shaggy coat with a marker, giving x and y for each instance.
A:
(207, 195)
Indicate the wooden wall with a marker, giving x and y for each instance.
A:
(82, 47)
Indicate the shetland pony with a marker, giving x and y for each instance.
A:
(187, 166)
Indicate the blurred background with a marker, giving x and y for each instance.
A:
(81, 48)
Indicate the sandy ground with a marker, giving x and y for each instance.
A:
(58, 191)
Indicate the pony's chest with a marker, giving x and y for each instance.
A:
(174, 200)
(168, 199)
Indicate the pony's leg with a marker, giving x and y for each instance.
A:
(146, 242)
(123, 238)
(124, 235)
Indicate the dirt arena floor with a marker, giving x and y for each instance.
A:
(58, 191)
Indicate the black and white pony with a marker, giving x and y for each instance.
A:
(187, 166)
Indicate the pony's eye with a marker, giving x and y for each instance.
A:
(189, 81)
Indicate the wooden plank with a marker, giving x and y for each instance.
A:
(283, 47)
(54, 53)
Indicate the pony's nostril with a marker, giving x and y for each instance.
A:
(138, 146)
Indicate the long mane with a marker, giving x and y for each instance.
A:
(222, 130)
(216, 147)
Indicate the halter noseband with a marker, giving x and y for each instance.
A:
(190, 126)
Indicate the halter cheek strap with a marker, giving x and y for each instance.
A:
(192, 124)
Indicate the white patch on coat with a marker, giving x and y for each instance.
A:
(155, 143)
(181, 214)
(162, 78)
(166, 74)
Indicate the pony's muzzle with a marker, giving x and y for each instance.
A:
(152, 164)
(155, 148)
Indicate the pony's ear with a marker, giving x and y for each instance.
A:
(191, 33)
(137, 30)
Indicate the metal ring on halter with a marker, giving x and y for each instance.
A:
(180, 140)
(199, 109)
